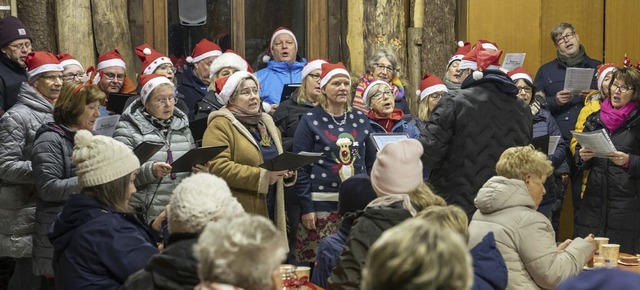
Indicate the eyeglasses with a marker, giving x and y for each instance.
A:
(525, 89)
(379, 95)
(564, 38)
(111, 76)
(167, 67)
(314, 77)
(384, 67)
(52, 78)
(436, 96)
(165, 101)
(248, 91)
(21, 46)
(70, 77)
(622, 89)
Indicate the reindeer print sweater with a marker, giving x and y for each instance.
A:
(344, 140)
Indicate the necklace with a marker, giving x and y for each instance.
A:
(344, 121)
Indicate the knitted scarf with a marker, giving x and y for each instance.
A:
(614, 118)
(574, 60)
(250, 120)
(162, 125)
(386, 122)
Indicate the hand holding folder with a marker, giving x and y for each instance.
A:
(195, 156)
(291, 161)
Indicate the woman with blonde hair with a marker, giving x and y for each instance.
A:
(507, 206)
(432, 88)
(396, 178)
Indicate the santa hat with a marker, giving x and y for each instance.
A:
(39, 62)
(480, 59)
(149, 82)
(429, 85)
(202, 50)
(329, 70)
(603, 70)
(463, 48)
(365, 95)
(228, 59)
(278, 31)
(488, 45)
(315, 64)
(67, 59)
(150, 59)
(110, 58)
(227, 85)
(519, 73)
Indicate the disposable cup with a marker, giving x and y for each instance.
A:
(597, 256)
(610, 253)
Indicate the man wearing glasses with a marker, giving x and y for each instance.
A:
(110, 74)
(15, 44)
(564, 106)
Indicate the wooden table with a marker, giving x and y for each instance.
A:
(628, 268)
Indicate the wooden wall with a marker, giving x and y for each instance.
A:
(622, 34)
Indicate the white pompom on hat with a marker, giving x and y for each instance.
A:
(199, 199)
(484, 55)
(226, 86)
(150, 59)
(463, 48)
(100, 159)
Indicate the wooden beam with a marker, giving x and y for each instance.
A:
(237, 26)
(317, 29)
(355, 32)
(160, 30)
(147, 12)
(74, 26)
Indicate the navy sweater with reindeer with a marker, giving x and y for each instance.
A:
(347, 152)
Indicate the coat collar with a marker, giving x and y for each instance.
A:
(266, 119)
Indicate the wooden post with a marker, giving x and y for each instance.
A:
(316, 29)
(355, 33)
(237, 27)
(414, 44)
(111, 30)
(385, 26)
(439, 35)
(75, 32)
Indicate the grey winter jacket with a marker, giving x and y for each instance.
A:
(55, 182)
(18, 128)
(133, 129)
(524, 237)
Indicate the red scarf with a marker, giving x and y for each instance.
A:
(386, 122)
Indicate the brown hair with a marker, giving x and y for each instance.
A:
(558, 29)
(113, 193)
(631, 77)
(71, 103)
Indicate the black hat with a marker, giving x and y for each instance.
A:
(11, 28)
(355, 193)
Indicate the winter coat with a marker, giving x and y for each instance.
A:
(468, 132)
(18, 128)
(239, 164)
(591, 105)
(286, 117)
(11, 77)
(330, 249)
(56, 181)
(277, 74)
(367, 229)
(525, 237)
(192, 88)
(489, 269)
(207, 105)
(610, 205)
(133, 129)
(400, 126)
(175, 268)
(550, 80)
(97, 247)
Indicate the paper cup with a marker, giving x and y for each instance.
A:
(303, 272)
(597, 256)
(610, 253)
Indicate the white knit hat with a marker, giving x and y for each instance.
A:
(227, 85)
(228, 59)
(100, 159)
(198, 200)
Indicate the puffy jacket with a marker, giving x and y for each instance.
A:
(550, 80)
(610, 205)
(525, 237)
(56, 181)
(286, 117)
(193, 90)
(133, 129)
(489, 269)
(400, 126)
(468, 132)
(591, 105)
(207, 105)
(367, 229)
(18, 128)
(97, 247)
(176, 268)
(11, 77)
(277, 74)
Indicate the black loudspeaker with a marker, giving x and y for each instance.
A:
(192, 12)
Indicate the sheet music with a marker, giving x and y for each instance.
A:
(578, 79)
(513, 60)
(106, 125)
(553, 143)
(598, 141)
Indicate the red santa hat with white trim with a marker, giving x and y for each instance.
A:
(315, 64)
(603, 70)
(225, 86)
(39, 62)
(278, 31)
(429, 85)
(150, 59)
(463, 48)
(67, 59)
(330, 70)
(482, 56)
(149, 82)
(519, 73)
(109, 59)
(203, 49)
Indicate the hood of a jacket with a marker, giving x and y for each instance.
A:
(56, 128)
(387, 217)
(500, 192)
(176, 267)
(133, 114)
(489, 268)
(496, 77)
(29, 97)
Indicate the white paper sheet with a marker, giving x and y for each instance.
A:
(578, 79)
(513, 60)
(106, 125)
(598, 141)
(553, 143)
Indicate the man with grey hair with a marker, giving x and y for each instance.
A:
(243, 251)
(198, 200)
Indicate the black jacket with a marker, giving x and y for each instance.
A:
(286, 117)
(367, 229)
(468, 132)
(11, 77)
(207, 105)
(611, 204)
(175, 268)
(193, 90)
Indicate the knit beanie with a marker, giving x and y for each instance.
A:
(198, 200)
(398, 168)
(228, 59)
(11, 28)
(355, 193)
(100, 159)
